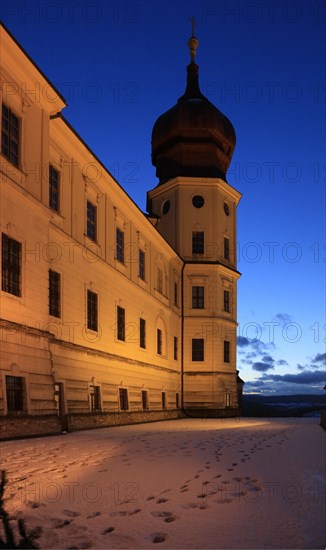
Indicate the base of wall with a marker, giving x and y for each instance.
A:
(323, 420)
(212, 413)
(40, 425)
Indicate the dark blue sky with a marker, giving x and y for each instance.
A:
(120, 64)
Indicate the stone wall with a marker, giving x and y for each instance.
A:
(29, 425)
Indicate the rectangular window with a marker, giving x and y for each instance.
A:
(159, 341)
(120, 245)
(91, 221)
(15, 393)
(121, 324)
(176, 301)
(91, 310)
(11, 265)
(198, 349)
(160, 280)
(54, 188)
(10, 135)
(141, 264)
(144, 400)
(142, 333)
(163, 400)
(59, 398)
(123, 399)
(54, 293)
(175, 348)
(226, 301)
(95, 398)
(177, 401)
(227, 399)
(197, 297)
(226, 351)
(226, 248)
(198, 244)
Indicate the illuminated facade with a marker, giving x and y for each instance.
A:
(109, 315)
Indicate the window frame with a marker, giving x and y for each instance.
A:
(11, 265)
(54, 188)
(175, 348)
(91, 218)
(8, 140)
(198, 242)
(164, 400)
(226, 301)
(121, 324)
(141, 264)
(198, 350)
(123, 399)
(54, 293)
(14, 394)
(94, 392)
(92, 310)
(226, 351)
(197, 297)
(145, 400)
(226, 253)
(159, 341)
(142, 333)
(120, 245)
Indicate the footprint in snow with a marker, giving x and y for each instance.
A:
(71, 513)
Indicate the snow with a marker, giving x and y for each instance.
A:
(190, 483)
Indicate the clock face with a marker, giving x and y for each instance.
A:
(166, 207)
(198, 201)
(226, 208)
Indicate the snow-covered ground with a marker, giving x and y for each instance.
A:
(249, 483)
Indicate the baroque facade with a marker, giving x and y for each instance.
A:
(110, 315)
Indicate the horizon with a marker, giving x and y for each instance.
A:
(271, 88)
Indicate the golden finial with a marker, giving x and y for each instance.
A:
(192, 42)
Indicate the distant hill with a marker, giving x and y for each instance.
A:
(283, 405)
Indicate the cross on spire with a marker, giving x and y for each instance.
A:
(192, 42)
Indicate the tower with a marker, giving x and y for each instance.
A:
(194, 209)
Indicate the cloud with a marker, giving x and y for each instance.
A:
(320, 358)
(243, 342)
(281, 362)
(304, 382)
(283, 318)
(262, 367)
(268, 359)
(305, 377)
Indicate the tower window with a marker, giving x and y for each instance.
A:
(121, 329)
(226, 301)
(91, 310)
(54, 188)
(166, 207)
(226, 248)
(198, 201)
(54, 293)
(198, 349)
(175, 348)
(11, 265)
(10, 135)
(198, 297)
(141, 271)
(160, 280)
(198, 242)
(159, 341)
(91, 221)
(226, 208)
(120, 240)
(142, 333)
(176, 301)
(226, 351)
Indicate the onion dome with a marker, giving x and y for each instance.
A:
(193, 138)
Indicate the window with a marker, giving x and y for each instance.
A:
(177, 401)
(54, 293)
(141, 264)
(198, 242)
(120, 245)
(15, 393)
(176, 301)
(160, 280)
(54, 188)
(175, 348)
(10, 135)
(198, 201)
(95, 398)
(226, 248)
(226, 351)
(227, 400)
(91, 221)
(11, 265)
(144, 400)
(123, 399)
(142, 333)
(91, 310)
(198, 297)
(198, 349)
(163, 400)
(226, 301)
(58, 398)
(159, 341)
(121, 325)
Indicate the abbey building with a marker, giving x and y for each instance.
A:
(110, 315)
